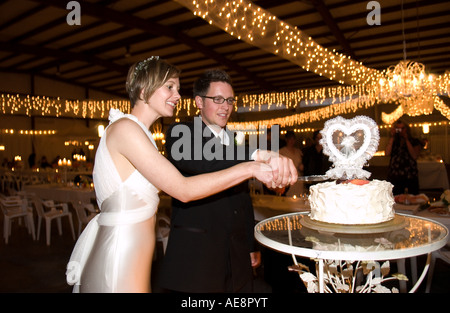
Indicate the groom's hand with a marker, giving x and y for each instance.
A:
(283, 169)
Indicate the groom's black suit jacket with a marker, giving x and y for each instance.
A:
(210, 239)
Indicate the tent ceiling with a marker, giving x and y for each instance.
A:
(113, 34)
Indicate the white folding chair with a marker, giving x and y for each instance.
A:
(54, 211)
(10, 182)
(13, 208)
(162, 229)
(85, 213)
(3, 182)
(444, 255)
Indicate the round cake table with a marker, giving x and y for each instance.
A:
(412, 236)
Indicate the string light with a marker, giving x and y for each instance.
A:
(8, 131)
(256, 26)
(248, 22)
(419, 125)
(323, 113)
(360, 97)
(46, 106)
(287, 41)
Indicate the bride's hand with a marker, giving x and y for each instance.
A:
(262, 172)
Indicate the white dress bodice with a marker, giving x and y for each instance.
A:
(106, 178)
(114, 252)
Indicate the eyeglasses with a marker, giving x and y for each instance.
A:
(220, 100)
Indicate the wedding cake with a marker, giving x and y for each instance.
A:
(352, 202)
(350, 198)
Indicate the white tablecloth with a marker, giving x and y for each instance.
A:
(432, 175)
(444, 219)
(61, 193)
(265, 206)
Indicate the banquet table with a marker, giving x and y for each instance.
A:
(265, 206)
(429, 213)
(432, 175)
(62, 193)
(416, 236)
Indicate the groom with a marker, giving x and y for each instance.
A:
(211, 245)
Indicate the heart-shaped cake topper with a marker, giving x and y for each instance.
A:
(349, 145)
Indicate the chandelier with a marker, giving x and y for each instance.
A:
(407, 84)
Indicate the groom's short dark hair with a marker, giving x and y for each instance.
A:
(201, 85)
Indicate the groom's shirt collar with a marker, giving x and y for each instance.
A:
(222, 135)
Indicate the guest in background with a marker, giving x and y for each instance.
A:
(315, 162)
(5, 163)
(291, 151)
(44, 163)
(74, 152)
(32, 160)
(274, 143)
(308, 142)
(404, 151)
(55, 161)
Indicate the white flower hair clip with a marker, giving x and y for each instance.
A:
(143, 64)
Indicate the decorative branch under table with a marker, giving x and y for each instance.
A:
(336, 247)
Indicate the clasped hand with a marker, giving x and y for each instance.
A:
(277, 171)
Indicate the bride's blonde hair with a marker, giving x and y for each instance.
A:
(148, 75)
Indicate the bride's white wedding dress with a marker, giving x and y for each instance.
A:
(114, 252)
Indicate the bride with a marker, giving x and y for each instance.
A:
(114, 252)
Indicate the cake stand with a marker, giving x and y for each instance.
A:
(288, 234)
(396, 223)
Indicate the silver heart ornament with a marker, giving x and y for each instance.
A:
(349, 143)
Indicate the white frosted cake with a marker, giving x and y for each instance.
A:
(352, 202)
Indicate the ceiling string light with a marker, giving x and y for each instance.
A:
(248, 22)
(258, 27)
(406, 83)
(323, 113)
(46, 106)
(34, 132)
(341, 100)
